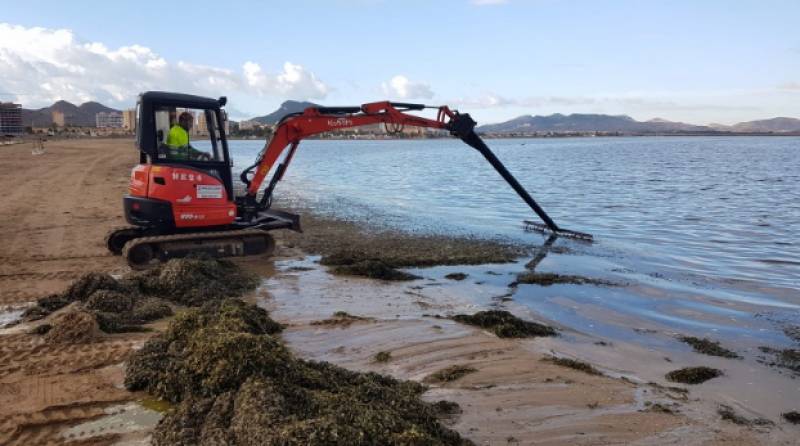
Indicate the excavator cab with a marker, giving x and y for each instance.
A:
(207, 149)
(181, 194)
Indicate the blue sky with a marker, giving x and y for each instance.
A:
(701, 62)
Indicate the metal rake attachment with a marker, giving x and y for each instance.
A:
(545, 229)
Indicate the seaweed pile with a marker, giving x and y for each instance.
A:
(787, 358)
(792, 417)
(693, 375)
(728, 414)
(505, 325)
(450, 373)
(233, 382)
(342, 319)
(547, 279)
(383, 356)
(658, 408)
(125, 304)
(73, 327)
(573, 364)
(330, 236)
(354, 265)
(792, 332)
(708, 347)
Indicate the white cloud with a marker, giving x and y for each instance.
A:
(488, 2)
(44, 65)
(401, 87)
(294, 81)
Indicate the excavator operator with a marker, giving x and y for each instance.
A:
(178, 140)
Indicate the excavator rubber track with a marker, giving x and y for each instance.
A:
(142, 251)
(117, 237)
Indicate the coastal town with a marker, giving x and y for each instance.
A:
(64, 119)
(92, 119)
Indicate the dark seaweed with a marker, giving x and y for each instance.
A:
(573, 364)
(505, 324)
(450, 373)
(693, 375)
(708, 347)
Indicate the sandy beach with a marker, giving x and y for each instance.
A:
(59, 205)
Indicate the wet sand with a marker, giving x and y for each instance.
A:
(58, 206)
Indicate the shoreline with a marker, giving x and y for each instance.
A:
(50, 244)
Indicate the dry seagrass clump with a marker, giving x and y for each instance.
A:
(195, 280)
(233, 382)
(73, 327)
(125, 304)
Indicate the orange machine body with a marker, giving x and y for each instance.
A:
(195, 198)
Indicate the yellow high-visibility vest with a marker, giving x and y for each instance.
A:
(177, 137)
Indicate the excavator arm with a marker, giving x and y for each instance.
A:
(315, 120)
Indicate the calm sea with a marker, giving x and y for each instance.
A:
(704, 231)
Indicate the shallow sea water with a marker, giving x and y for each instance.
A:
(702, 232)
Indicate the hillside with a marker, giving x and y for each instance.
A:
(559, 123)
(82, 115)
(777, 125)
(285, 108)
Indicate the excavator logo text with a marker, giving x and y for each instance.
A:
(340, 122)
(183, 176)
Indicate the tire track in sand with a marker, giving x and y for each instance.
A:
(44, 427)
(28, 355)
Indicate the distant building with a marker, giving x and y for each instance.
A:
(129, 119)
(108, 120)
(58, 118)
(11, 119)
(247, 125)
(202, 126)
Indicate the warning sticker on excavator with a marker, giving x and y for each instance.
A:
(209, 191)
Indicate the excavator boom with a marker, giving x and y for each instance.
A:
(315, 120)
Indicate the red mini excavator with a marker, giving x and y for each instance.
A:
(181, 198)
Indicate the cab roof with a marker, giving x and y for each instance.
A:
(180, 100)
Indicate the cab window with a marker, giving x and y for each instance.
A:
(186, 134)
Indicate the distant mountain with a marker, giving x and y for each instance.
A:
(285, 108)
(559, 123)
(577, 122)
(663, 125)
(82, 115)
(775, 125)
